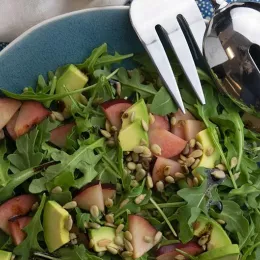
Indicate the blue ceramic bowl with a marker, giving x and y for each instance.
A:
(65, 39)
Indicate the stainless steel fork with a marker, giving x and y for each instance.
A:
(146, 15)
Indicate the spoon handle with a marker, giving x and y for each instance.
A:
(218, 4)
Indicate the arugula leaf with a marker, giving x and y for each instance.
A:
(82, 218)
(4, 165)
(61, 197)
(32, 230)
(134, 83)
(163, 103)
(108, 59)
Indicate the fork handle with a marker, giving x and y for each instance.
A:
(218, 4)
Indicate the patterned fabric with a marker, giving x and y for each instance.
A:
(204, 5)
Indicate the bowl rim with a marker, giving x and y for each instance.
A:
(56, 18)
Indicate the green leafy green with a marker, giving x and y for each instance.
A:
(4, 165)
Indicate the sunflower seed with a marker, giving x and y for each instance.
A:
(236, 175)
(58, 116)
(146, 152)
(113, 129)
(148, 239)
(139, 166)
(108, 126)
(221, 167)
(196, 154)
(156, 149)
(94, 211)
(138, 149)
(126, 254)
(118, 88)
(132, 117)
(74, 242)
(140, 198)
(186, 149)
(186, 169)
(128, 245)
(70, 205)
(190, 161)
(72, 236)
(169, 179)
(167, 170)
(134, 183)
(25, 89)
(179, 175)
(86, 225)
(233, 162)
(173, 120)
(135, 157)
(160, 186)
(151, 119)
(203, 240)
(128, 235)
(189, 182)
(195, 181)
(110, 218)
(94, 225)
(105, 133)
(68, 223)
(129, 158)
(131, 166)
(109, 203)
(180, 257)
(149, 182)
(145, 126)
(112, 250)
(110, 142)
(199, 145)
(209, 151)
(119, 241)
(91, 243)
(192, 143)
(219, 174)
(100, 254)
(146, 165)
(195, 164)
(180, 161)
(221, 221)
(35, 206)
(104, 242)
(183, 158)
(118, 187)
(123, 203)
(140, 174)
(158, 237)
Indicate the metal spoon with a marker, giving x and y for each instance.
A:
(232, 49)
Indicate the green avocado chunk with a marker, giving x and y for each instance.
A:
(140, 113)
(105, 235)
(54, 222)
(131, 136)
(4, 255)
(230, 252)
(71, 79)
(218, 236)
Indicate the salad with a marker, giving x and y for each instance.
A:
(97, 162)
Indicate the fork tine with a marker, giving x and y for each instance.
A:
(160, 59)
(182, 51)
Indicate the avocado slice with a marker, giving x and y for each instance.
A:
(72, 79)
(4, 255)
(103, 233)
(230, 252)
(218, 236)
(54, 219)
(207, 161)
(131, 136)
(140, 110)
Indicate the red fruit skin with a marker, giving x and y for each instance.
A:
(113, 110)
(178, 128)
(171, 145)
(159, 166)
(16, 229)
(59, 135)
(90, 195)
(11, 125)
(161, 122)
(192, 128)
(140, 227)
(109, 191)
(31, 113)
(17, 206)
(8, 107)
(168, 252)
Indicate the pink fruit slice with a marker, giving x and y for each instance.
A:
(159, 166)
(139, 228)
(11, 125)
(16, 229)
(192, 128)
(59, 135)
(31, 113)
(8, 107)
(171, 145)
(114, 109)
(161, 122)
(90, 195)
(168, 252)
(17, 206)
(109, 191)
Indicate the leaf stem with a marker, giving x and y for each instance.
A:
(46, 256)
(164, 217)
(165, 205)
(249, 251)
